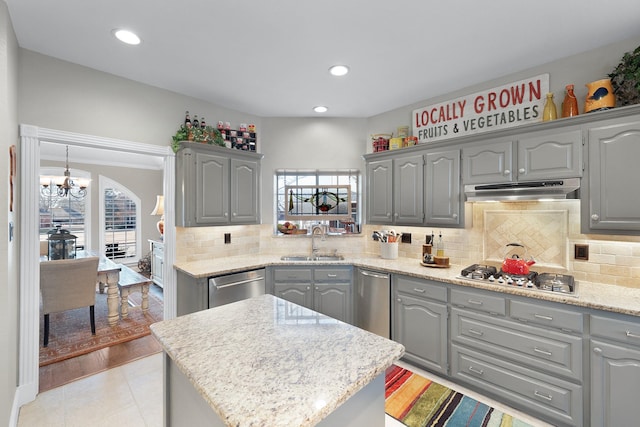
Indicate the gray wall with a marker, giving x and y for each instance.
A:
(9, 250)
(577, 70)
(145, 183)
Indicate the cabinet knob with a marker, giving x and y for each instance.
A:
(521, 171)
(226, 214)
(396, 215)
(235, 214)
(388, 214)
(399, 300)
(455, 216)
(597, 350)
(506, 172)
(595, 217)
(308, 287)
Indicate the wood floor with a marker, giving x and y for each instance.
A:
(61, 373)
(57, 374)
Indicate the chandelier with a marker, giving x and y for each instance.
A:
(65, 185)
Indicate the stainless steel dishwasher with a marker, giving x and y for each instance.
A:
(373, 302)
(236, 287)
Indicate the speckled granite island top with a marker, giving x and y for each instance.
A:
(266, 361)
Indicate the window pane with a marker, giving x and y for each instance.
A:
(67, 212)
(120, 224)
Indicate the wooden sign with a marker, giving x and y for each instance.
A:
(492, 109)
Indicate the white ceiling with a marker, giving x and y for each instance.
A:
(270, 58)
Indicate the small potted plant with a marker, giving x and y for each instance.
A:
(625, 79)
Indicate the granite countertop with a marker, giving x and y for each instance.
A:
(618, 299)
(267, 361)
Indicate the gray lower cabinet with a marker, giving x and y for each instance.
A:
(608, 203)
(216, 186)
(419, 321)
(615, 370)
(526, 359)
(192, 293)
(326, 290)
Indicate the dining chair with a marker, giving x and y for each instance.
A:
(68, 284)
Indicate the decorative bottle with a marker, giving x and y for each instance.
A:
(196, 123)
(570, 103)
(440, 246)
(549, 112)
(187, 119)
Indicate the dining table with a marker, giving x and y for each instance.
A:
(108, 278)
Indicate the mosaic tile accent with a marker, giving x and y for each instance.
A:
(543, 233)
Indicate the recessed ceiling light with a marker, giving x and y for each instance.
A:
(320, 109)
(339, 70)
(126, 36)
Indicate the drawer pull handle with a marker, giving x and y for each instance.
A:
(331, 275)
(476, 371)
(422, 291)
(630, 334)
(474, 302)
(597, 350)
(543, 396)
(543, 317)
(546, 353)
(474, 332)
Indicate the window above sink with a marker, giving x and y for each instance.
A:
(328, 197)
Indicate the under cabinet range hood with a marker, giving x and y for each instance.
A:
(522, 191)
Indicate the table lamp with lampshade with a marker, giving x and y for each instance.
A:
(159, 210)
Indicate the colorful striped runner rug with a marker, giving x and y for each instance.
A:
(418, 402)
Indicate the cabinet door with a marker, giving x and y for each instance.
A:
(421, 326)
(488, 163)
(157, 261)
(614, 174)
(551, 156)
(442, 188)
(615, 375)
(380, 192)
(211, 189)
(299, 293)
(244, 191)
(408, 190)
(333, 300)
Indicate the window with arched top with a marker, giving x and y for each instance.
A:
(119, 221)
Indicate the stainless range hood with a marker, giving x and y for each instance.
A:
(522, 191)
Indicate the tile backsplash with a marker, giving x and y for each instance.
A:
(549, 230)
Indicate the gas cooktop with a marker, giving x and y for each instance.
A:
(534, 281)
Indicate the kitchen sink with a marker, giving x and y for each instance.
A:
(312, 258)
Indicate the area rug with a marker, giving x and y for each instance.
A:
(70, 331)
(418, 402)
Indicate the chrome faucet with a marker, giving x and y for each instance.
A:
(315, 231)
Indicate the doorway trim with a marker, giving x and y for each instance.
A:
(29, 322)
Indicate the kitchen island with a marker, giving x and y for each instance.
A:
(268, 362)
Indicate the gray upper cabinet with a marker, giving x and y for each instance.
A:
(395, 190)
(540, 155)
(488, 162)
(609, 202)
(216, 186)
(408, 190)
(551, 155)
(443, 204)
(380, 192)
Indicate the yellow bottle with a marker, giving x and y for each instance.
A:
(440, 246)
(549, 112)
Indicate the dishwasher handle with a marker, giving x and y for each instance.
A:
(376, 275)
(242, 282)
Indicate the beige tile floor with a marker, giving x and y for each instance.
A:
(131, 396)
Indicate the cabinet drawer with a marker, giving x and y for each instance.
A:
(548, 351)
(292, 274)
(479, 301)
(625, 329)
(332, 274)
(420, 287)
(541, 314)
(538, 394)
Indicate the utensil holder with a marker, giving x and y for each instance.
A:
(389, 250)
